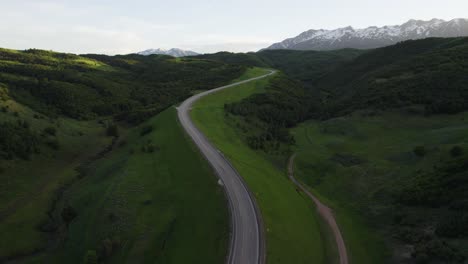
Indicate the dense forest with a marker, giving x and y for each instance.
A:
(430, 73)
(84, 87)
(283, 106)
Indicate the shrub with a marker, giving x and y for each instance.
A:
(453, 226)
(53, 144)
(17, 140)
(150, 149)
(146, 130)
(106, 249)
(68, 214)
(3, 93)
(112, 131)
(456, 151)
(91, 257)
(50, 131)
(436, 251)
(420, 151)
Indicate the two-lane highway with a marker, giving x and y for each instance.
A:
(247, 242)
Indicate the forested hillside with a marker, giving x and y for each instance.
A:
(307, 66)
(87, 86)
(385, 145)
(430, 72)
(69, 134)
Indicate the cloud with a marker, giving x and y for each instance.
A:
(50, 25)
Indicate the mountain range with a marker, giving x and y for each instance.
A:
(171, 52)
(373, 37)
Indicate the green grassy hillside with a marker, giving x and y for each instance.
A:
(49, 155)
(292, 228)
(135, 204)
(78, 176)
(149, 201)
(83, 87)
(403, 176)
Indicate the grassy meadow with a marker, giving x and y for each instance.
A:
(358, 164)
(28, 187)
(150, 199)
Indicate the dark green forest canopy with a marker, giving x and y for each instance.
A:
(431, 72)
(93, 85)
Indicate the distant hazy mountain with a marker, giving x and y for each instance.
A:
(170, 52)
(373, 37)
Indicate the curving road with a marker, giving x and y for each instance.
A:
(247, 243)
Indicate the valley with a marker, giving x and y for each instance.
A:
(98, 163)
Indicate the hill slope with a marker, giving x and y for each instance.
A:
(429, 72)
(95, 85)
(72, 158)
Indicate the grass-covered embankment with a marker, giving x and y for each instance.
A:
(51, 151)
(291, 225)
(149, 200)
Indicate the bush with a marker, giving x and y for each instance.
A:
(453, 226)
(106, 249)
(50, 131)
(53, 144)
(456, 151)
(420, 151)
(146, 130)
(68, 214)
(150, 149)
(3, 93)
(91, 257)
(17, 140)
(436, 251)
(112, 131)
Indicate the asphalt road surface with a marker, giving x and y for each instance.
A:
(324, 211)
(247, 241)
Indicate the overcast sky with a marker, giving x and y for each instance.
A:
(119, 27)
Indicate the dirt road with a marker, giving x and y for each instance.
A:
(324, 211)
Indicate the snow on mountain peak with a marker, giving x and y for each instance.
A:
(171, 52)
(373, 37)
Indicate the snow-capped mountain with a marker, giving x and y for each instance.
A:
(374, 37)
(170, 52)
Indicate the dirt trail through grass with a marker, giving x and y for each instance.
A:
(324, 211)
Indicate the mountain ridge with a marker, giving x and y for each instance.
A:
(373, 37)
(174, 52)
